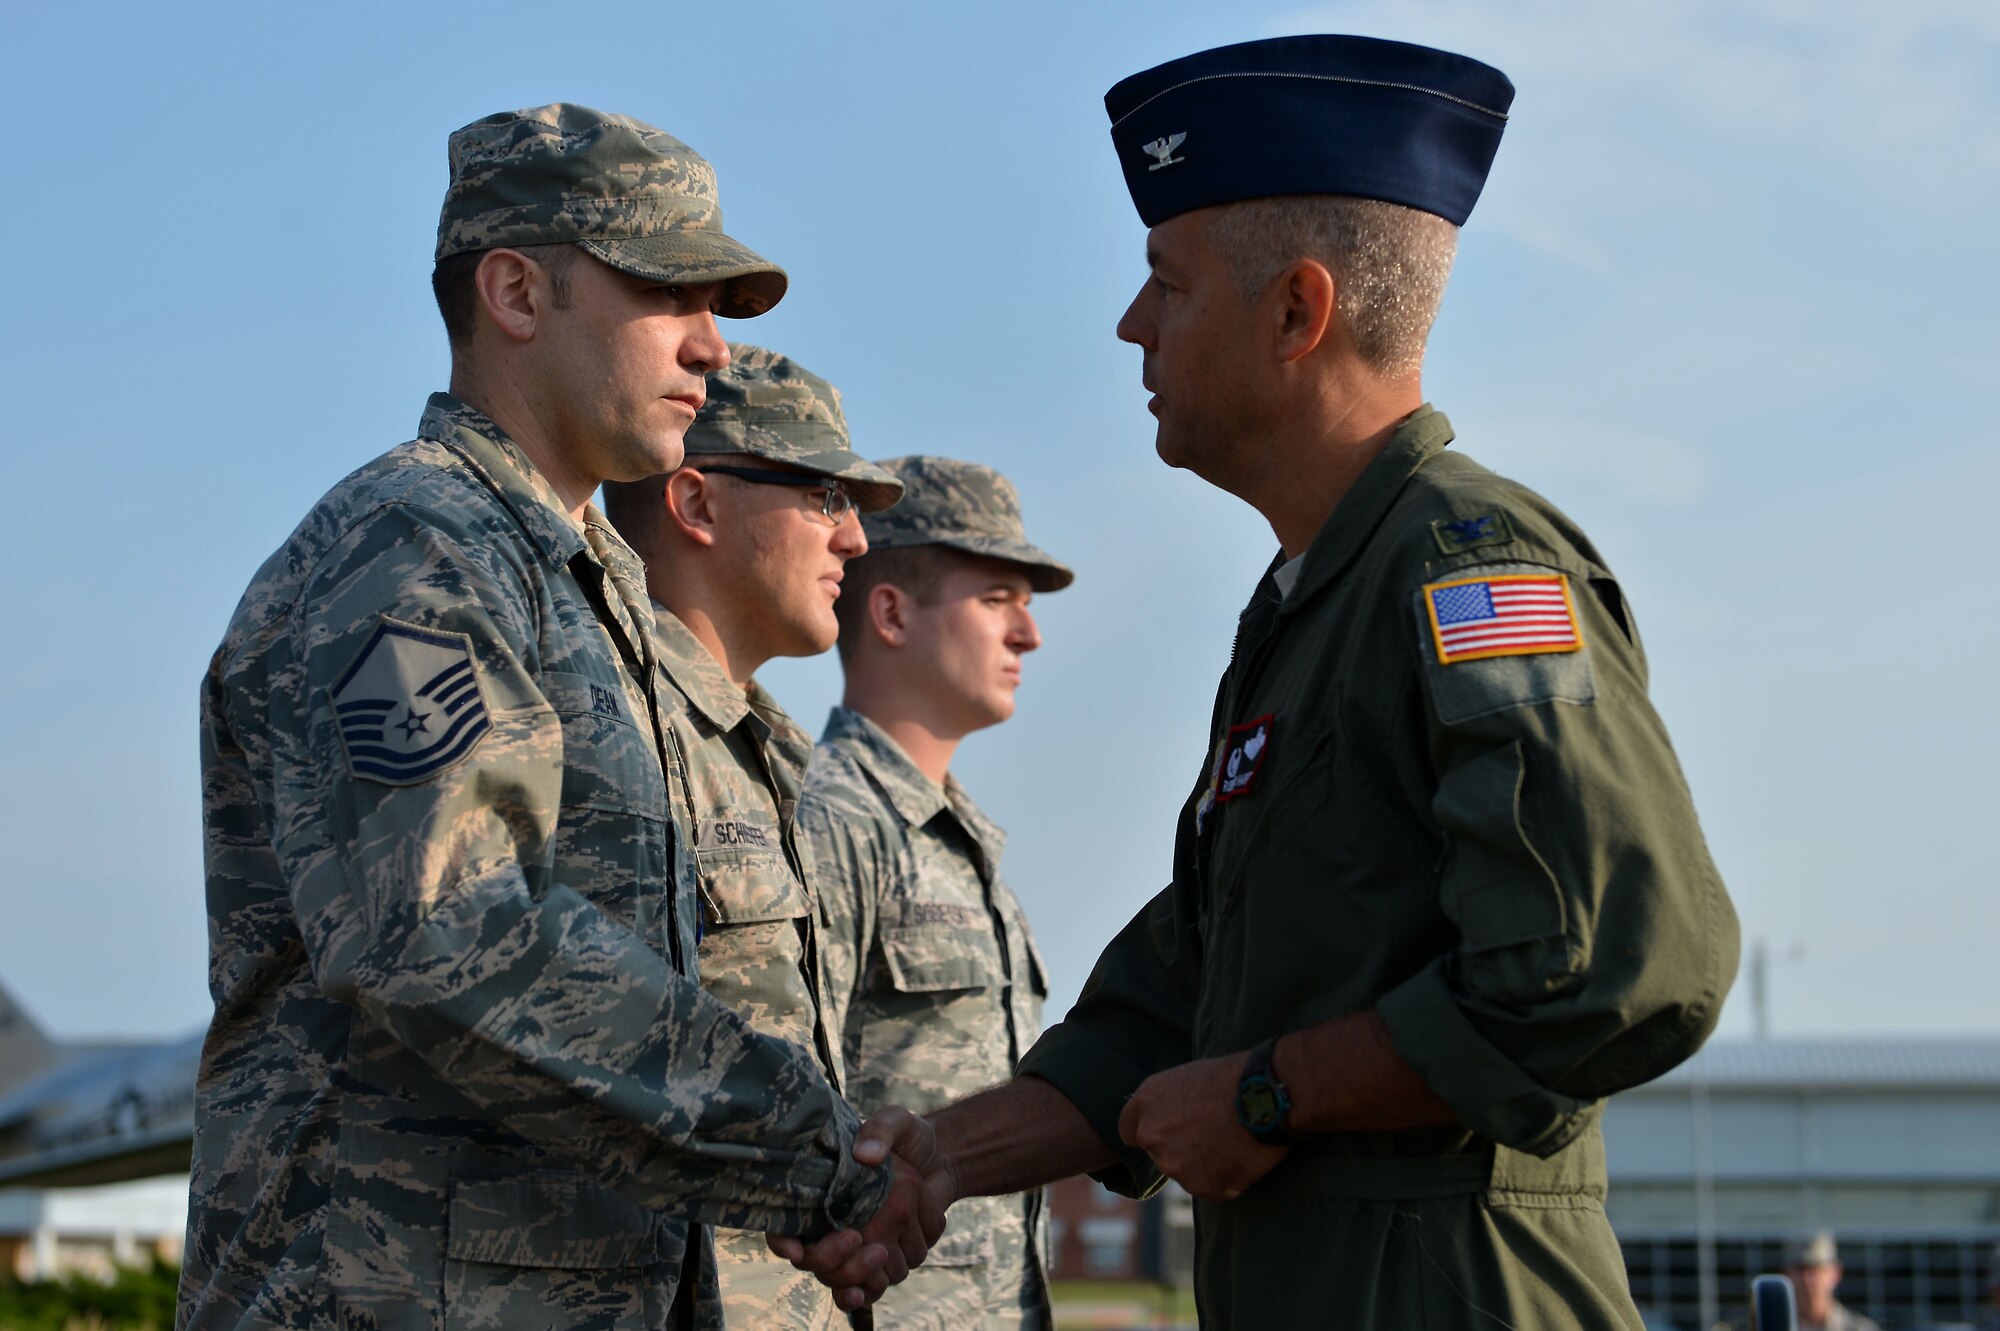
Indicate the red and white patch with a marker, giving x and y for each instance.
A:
(1244, 750)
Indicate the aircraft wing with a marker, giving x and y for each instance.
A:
(101, 1117)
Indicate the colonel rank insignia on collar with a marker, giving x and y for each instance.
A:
(410, 706)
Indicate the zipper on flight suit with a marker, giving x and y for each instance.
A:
(1237, 680)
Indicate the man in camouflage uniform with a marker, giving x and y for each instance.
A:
(744, 548)
(460, 1073)
(1813, 1264)
(932, 973)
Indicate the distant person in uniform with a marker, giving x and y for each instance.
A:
(744, 548)
(460, 1070)
(1814, 1267)
(1992, 1318)
(1438, 887)
(933, 975)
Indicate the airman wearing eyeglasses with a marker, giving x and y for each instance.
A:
(744, 548)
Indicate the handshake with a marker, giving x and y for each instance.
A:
(859, 1265)
(1019, 1135)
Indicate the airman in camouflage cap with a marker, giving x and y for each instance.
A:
(1818, 1249)
(627, 193)
(962, 506)
(465, 948)
(766, 405)
(931, 974)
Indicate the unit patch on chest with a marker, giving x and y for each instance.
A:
(1242, 756)
(410, 706)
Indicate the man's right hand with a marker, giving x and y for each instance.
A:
(860, 1265)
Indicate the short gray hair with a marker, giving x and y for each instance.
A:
(1390, 263)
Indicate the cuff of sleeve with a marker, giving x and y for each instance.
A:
(1098, 1079)
(1487, 1090)
(856, 1191)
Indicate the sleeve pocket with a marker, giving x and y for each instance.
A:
(1497, 888)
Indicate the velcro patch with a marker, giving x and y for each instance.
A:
(1242, 756)
(1455, 535)
(729, 832)
(1526, 614)
(410, 706)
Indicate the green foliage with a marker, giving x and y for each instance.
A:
(139, 1299)
(1099, 1305)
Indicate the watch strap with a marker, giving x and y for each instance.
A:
(1263, 1105)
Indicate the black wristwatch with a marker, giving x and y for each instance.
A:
(1263, 1106)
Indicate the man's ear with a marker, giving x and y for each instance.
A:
(888, 613)
(513, 292)
(690, 501)
(1304, 306)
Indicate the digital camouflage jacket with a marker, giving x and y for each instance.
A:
(936, 986)
(460, 1073)
(736, 761)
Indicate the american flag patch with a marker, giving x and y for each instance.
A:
(1507, 615)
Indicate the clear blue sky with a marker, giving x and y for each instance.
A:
(1729, 299)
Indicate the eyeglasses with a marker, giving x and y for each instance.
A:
(835, 502)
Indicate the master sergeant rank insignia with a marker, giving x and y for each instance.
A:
(410, 706)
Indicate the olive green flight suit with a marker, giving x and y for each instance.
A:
(1499, 855)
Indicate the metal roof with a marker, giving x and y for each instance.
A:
(1890, 1062)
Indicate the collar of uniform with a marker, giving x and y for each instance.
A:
(695, 673)
(1362, 508)
(772, 713)
(915, 796)
(507, 471)
(974, 820)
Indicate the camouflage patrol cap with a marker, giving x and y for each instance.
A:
(637, 198)
(764, 405)
(962, 506)
(1814, 1250)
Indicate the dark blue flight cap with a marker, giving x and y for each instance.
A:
(1309, 115)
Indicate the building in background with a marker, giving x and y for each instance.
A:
(91, 1231)
(1894, 1144)
(1094, 1234)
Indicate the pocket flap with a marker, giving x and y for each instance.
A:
(928, 958)
(546, 1220)
(740, 885)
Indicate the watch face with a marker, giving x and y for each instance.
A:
(1258, 1101)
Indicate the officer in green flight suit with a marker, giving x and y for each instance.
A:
(1439, 887)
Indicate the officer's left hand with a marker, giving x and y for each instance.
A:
(1185, 1119)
